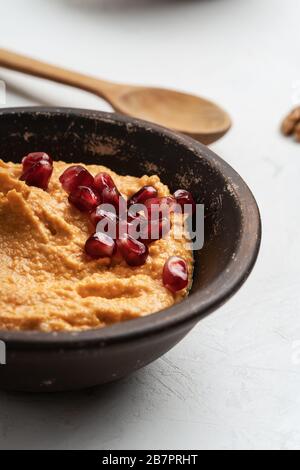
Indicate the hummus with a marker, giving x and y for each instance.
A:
(48, 283)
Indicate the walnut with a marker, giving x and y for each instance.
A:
(291, 124)
(297, 132)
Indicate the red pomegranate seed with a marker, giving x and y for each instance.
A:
(184, 198)
(122, 229)
(35, 157)
(135, 226)
(38, 175)
(84, 199)
(159, 207)
(76, 176)
(100, 245)
(100, 214)
(147, 192)
(175, 274)
(155, 230)
(132, 217)
(114, 198)
(103, 181)
(132, 226)
(135, 253)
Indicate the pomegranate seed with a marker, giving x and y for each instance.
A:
(175, 274)
(114, 198)
(100, 214)
(132, 217)
(147, 192)
(76, 176)
(84, 199)
(103, 181)
(184, 198)
(35, 157)
(38, 175)
(155, 230)
(159, 207)
(122, 228)
(131, 226)
(135, 226)
(100, 245)
(135, 253)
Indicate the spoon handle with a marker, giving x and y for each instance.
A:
(41, 69)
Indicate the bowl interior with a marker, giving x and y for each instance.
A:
(136, 148)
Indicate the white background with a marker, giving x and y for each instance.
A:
(234, 382)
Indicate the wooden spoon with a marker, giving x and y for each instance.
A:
(194, 116)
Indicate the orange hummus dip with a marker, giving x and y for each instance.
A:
(48, 283)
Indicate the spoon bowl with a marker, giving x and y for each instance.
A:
(189, 114)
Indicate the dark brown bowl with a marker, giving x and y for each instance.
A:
(67, 361)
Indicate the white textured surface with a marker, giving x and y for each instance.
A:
(234, 382)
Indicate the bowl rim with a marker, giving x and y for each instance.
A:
(193, 308)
